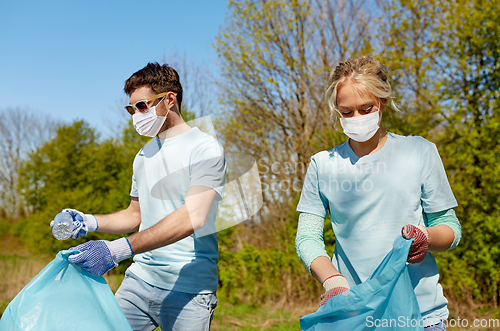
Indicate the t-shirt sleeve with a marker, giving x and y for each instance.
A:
(208, 167)
(311, 200)
(133, 190)
(436, 191)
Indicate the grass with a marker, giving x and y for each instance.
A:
(3, 305)
(244, 317)
(17, 268)
(467, 311)
(15, 273)
(114, 281)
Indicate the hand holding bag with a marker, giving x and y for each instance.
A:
(386, 301)
(63, 297)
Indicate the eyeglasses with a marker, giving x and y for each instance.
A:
(142, 105)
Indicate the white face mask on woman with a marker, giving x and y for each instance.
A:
(149, 124)
(361, 128)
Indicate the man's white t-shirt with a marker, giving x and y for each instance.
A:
(164, 170)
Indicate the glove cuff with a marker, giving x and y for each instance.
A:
(91, 222)
(409, 231)
(425, 231)
(120, 249)
(333, 281)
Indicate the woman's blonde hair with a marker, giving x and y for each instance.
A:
(363, 72)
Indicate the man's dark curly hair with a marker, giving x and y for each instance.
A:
(160, 78)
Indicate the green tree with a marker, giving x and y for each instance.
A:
(470, 138)
(444, 56)
(276, 57)
(412, 34)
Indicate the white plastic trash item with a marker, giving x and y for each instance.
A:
(63, 226)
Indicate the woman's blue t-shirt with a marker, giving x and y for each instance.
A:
(371, 198)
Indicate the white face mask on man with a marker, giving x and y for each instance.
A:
(148, 123)
(361, 128)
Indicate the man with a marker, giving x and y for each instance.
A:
(178, 180)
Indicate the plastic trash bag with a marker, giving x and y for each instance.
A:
(386, 301)
(63, 297)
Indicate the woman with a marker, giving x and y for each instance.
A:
(376, 186)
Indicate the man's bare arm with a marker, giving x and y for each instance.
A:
(178, 225)
(123, 221)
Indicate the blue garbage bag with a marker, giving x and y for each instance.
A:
(386, 301)
(63, 297)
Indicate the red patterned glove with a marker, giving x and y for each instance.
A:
(333, 285)
(420, 244)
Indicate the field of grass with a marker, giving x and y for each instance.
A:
(15, 273)
(17, 268)
(247, 318)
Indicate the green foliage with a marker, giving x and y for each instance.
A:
(411, 53)
(469, 141)
(329, 236)
(254, 276)
(474, 173)
(4, 227)
(3, 305)
(443, 57)
(187, 115)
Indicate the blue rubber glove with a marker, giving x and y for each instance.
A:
(82, 223)
(99, 256)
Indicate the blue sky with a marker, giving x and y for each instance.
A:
(70, 58)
